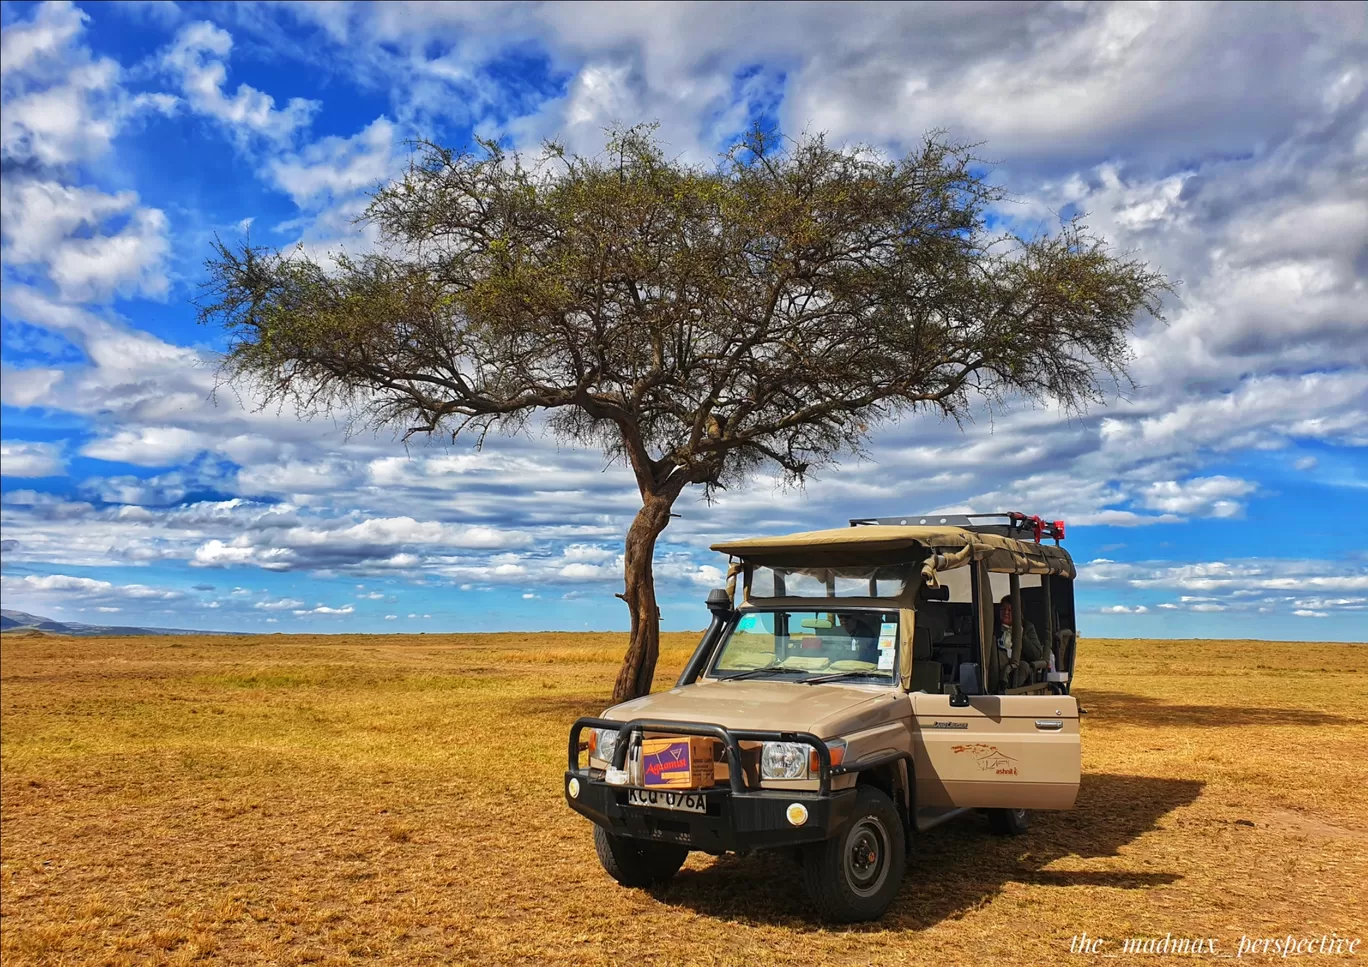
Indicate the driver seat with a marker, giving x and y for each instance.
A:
(926, 672)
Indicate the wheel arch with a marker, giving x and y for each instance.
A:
(893, 775)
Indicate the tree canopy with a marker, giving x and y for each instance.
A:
(695, 322)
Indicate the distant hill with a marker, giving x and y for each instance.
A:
(14, 620)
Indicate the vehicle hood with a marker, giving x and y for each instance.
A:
(824, 710)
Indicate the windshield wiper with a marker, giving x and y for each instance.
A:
(839, 675)
(760, 671)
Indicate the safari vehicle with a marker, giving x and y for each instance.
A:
(857, 693)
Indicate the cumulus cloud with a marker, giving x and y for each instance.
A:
(324, 609)
(149, 446)
(1262, 586)
(278, 604)
(1202, 496)
(197, 58)
(19, 459)
(62, 104)
(68, 587)
(336, 168)
(1251, 188)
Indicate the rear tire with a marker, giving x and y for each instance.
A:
(1008, 822)
(636, 862)
(856, 874)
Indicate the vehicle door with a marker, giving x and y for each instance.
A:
(999, 751)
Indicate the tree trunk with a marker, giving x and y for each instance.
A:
(638, 667)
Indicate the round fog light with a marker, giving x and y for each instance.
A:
(573, 788)
(796, 814)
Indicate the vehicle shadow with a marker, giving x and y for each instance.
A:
(1153, 712)
(956, 867)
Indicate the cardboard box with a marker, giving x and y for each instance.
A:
(685, 762)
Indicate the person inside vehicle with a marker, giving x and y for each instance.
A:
(864, 638)
(1031, 648)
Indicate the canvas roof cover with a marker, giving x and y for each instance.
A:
(894, 544)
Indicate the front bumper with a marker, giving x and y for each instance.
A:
(738, 818)
(734, 822)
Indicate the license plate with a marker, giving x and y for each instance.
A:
(690, 802)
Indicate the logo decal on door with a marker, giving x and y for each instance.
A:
(988, 758)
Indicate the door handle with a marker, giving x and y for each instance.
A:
(1049, 725)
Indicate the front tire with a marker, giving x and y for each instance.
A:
(856, 874)
(1008, 822)
(636, 862)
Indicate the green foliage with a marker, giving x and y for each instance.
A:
(696, 322)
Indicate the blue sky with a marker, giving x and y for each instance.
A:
(1221, 497)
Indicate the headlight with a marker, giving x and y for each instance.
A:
(784, 760)
(604, 744)
(796, 760)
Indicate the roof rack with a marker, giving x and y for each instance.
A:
(1007, 523)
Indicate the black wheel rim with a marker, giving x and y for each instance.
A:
(866, 856)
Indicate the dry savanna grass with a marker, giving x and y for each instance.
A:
(397, 800)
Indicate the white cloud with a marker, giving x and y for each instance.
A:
(587, 553)
(324, 609)
(1304, 613)
(1200, 496)
(581, 572)
(391, 617)
(1264, 586)
(278, 604)
(131, 261)
(40, 214)
(1259, 210)
(335, 168)
(61, 103)
(19, 459)
(150, 446)
(53, 27)
(58, 582)
(197, 58)
(1123, 609)
(56, 587)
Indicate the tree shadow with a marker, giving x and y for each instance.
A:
(959, 866)
(566, 707)
(1143, 710)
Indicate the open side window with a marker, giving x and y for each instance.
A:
(1065, 627)
(946, 633)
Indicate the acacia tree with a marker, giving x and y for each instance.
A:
(695, 322)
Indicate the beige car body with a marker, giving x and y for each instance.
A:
(1018, 750)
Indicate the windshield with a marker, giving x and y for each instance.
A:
(860, 645)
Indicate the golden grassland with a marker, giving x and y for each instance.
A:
(397, 799)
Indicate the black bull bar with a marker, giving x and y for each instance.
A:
(730, 739)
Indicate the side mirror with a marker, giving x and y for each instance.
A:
(967, 685)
